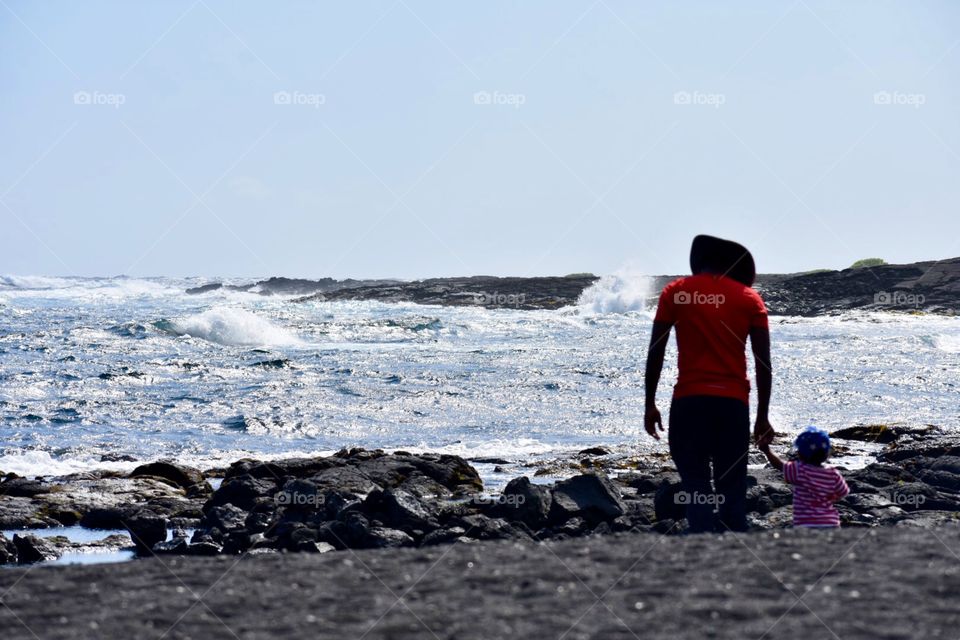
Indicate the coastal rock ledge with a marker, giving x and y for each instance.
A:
(360, 499)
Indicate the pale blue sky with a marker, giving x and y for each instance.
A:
(785, 145)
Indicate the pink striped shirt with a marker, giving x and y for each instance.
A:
(815, 489)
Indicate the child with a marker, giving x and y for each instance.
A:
(815, 487)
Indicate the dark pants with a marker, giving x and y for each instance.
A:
(705, 430)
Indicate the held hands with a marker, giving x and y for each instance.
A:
(763, 434)
(652, 421)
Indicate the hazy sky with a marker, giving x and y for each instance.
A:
(411, 139)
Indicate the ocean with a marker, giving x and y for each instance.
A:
(97, 373)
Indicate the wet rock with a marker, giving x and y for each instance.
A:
(442, 536)
(665, 502)
(204, 548)
(242, 491)
(404, 511)
(225, 517)
(146, 530)
(8, 551)
(177, 475)
(23, 513)
(591, 496)
(594, 451)
(177, 545)
(526, 502)
(383, 537)
(881, 433)
(483, 527)
(22, 487)
(31, 548)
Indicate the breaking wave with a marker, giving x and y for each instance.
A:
(231, 327)
(619, 292)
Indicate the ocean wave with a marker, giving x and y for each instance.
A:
(37, 282)
(231, 327)
(620, 292)
(947, 342)
(87, 289)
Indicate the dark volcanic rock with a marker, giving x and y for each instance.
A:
(146, 530)
(31, 548)
(526, 502)
(921, 286)
(881, 433)
(590, 496)
(486, 291)
(205, 288)
(178, 475)
(8, 551)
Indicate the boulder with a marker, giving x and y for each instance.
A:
(404, 511)
(242, 491)
(146, 530)
(177, 475)
(879, 433)
(383, 537)
(526, 502)
(225, 517)
(31, 548)
(8, 551)
(591, 496)
(665, 502)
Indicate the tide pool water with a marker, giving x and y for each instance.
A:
(94, 372)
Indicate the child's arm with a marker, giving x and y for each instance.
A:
(772, 458)
(841, 490)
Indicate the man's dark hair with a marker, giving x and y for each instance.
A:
(724, 257)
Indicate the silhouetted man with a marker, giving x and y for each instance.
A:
(714, 311)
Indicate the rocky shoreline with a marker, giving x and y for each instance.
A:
(930, 286)
(358, 499)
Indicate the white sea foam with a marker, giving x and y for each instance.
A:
(947, 342)
(234, 327)
(41, 463)
(620, 292)
(86, 289)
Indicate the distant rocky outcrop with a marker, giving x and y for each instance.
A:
(922, 286)
(932, 287)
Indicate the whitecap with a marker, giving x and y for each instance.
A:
(232, 327)
(620, 292)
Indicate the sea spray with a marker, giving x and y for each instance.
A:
(620, 292)
(231, 326)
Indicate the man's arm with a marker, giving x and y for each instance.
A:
(763, 433)
(655, 353)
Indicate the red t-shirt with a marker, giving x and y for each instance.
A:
(713, 316)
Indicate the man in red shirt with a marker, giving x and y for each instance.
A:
(714, 311)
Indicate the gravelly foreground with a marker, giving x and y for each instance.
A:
(898, 582)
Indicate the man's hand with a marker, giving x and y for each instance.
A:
(652, 421)
(763, 433)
